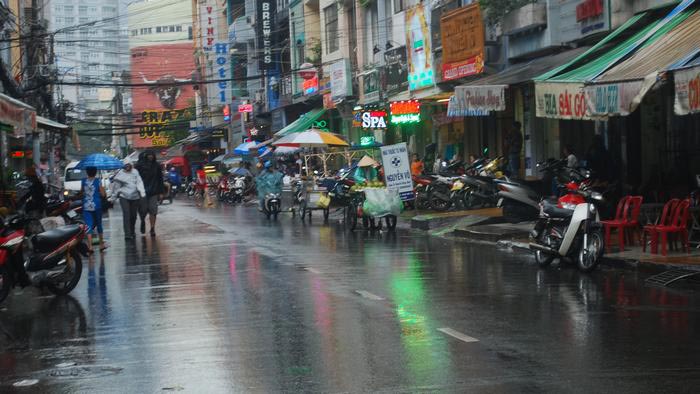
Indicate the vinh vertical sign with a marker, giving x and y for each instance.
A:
(266, 12)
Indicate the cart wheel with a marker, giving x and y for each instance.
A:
(326, 214)
(351, 217)
(375, 224)
(391, 222)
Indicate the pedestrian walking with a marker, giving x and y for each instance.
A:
(417, 166)
(513, 146)
(152, 177)
(93, 193)
(128, 188)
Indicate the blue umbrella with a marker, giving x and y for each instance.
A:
(101, 162)
(244, 148)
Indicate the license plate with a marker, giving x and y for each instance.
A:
(500, 202)
(71, 214)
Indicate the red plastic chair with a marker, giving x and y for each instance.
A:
(666, 220)
(679, 225)
(626, 217)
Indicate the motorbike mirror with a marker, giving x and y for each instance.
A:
(597, 196)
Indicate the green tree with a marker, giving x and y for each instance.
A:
(496, 9)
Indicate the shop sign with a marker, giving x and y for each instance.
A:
(223, 72)
(374, 120)
(218, 133)
(370, 87)
(397, 170)
(157, 125)
(420, 53)
(462, 42)
(328, 101)
(23, 120)
(614, 99)
(405, 111)
(356, 118)
(340, 83)
(581, 18)
(561, 101)
(244, 108)
(396, 70)
(687, 91)
(266, 12)
(367, 140)
(310, 86)
(210, 27)
(477, 100)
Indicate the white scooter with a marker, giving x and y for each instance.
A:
(569, 228)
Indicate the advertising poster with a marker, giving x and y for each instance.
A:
(396, 70)
(397, 170)
(420, 53)
(687, 91)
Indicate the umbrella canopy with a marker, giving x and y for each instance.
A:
(286, 150)
(310, 139)
(244, 148)
(218, 159)
(101, 162)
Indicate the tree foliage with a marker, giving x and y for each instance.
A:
(496, 9)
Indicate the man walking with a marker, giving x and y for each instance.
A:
(153, 182)
(512, 146)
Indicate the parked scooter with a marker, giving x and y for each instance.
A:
(569, 227)
(54, 261)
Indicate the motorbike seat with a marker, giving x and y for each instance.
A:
(49, 240)
(552, 210)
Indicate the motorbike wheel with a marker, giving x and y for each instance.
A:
(351, 217)
(5, 284)
(66, 287)
(543, 259)
(590, 254)
(439, 204)
(390, 222)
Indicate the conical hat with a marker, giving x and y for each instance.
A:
(367, 162)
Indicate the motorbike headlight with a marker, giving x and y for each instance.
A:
(591, 209)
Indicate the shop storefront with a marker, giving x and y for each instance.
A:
(17, 124)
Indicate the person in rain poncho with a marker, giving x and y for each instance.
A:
(268, 181)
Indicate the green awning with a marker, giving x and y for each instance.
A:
(303, 123)
(645, 28)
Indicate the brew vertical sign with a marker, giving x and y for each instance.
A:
(266, 14)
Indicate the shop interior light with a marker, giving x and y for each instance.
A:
(445, 100)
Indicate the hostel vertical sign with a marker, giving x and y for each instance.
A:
(266, 14)
(217, 53)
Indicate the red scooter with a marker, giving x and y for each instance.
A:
(54, 259)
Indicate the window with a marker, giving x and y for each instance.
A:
(70, 55)
(149, 30)
(189, 32)
(399, 5)
(93, 32)
(85, 57)
(331, 15)
(171, 28)
(158, 29)
(93, 10)
(178, 28)
(59, 20)
(68, 8)
(83, 19)
(69, 20)
(82, 10)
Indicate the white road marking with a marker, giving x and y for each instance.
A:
(368, 295)
(313, 271)
(457, 334)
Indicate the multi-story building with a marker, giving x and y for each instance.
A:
(162, 55)
(91, 45)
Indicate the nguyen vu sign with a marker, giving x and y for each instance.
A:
(397, 170)
(477, 100)
(561, 101)
(462, 42)
(687, 91)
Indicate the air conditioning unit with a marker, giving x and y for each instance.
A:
(46, 70)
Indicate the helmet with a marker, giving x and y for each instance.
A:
(268, 164)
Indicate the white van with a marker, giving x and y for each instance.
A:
(72, 180)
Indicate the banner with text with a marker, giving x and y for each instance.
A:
(687, 91)
(556, 100)
(477, 100)
(615, 98)
(397, 170)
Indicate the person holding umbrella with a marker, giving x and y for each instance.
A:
(93, 193)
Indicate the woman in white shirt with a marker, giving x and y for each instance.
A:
(128, 188)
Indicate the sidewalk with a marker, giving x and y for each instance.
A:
(488, 226)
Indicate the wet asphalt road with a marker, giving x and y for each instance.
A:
(224, 301)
